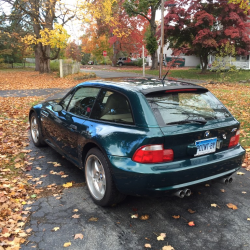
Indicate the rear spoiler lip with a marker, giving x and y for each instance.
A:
(166, 89)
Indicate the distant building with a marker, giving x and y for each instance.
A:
(186, 61)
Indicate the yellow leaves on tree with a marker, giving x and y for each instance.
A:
(244, 5)
(55, 38)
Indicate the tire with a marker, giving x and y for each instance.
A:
(99, 179)
(35, 131)
(120, 64)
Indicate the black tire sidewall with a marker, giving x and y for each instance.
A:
(110, 192)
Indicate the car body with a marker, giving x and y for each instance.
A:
(90, 62)
(126, 61)
(140, 137)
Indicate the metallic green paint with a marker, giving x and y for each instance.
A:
(119, 142)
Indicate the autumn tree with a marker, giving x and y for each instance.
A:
(73, 51)
(112, 30)
(43, 15)
(200, 28)
(146, 9)
(12, 29)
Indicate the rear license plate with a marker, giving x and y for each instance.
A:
(206, 146)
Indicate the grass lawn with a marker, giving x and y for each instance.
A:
(195, 74)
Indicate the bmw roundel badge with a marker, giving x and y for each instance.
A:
(207, 133)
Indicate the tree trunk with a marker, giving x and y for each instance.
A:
(37, 61)
(44, 58)
(115, 52)
(204, 63)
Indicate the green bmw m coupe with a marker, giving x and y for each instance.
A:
(141, 136)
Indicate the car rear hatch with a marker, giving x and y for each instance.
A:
(193, 121)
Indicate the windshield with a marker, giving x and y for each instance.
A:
(171, 108)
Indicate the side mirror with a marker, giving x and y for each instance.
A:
(57, 108)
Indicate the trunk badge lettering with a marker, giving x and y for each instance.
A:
(207, 133)
(224, 136)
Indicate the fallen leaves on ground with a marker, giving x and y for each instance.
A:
(76, 216)
(55, 229)
(168, 248)
(147, 245)
(176, 216)
(232, 206)
(78, 236)
(144, 217)
(191, 224)
(162, 236)
(14, 161)
(214, 205)
(191, 211)
(240, 173)
(17, 80)
(93, 219)
(68, 184)
(67, 244)
(134, 216)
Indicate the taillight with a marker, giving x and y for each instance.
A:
(153, 154)
(234, 139)
(180, 90)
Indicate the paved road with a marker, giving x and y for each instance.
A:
(216, 228)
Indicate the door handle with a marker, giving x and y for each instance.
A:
(73, 127)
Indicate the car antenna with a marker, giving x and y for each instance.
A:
(165, 77)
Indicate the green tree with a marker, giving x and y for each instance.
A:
(147, 9)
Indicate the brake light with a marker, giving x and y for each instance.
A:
(234, 139)
(153, 154)
(180, 90)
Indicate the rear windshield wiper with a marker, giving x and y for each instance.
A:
(203, 122)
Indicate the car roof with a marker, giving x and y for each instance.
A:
(143, 85)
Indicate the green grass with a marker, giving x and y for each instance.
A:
(195, 74)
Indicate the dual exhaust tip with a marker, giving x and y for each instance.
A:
(187, 192)
(227, 180)
(183, 193)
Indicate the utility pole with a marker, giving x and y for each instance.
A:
(162, 38)
(143, 61)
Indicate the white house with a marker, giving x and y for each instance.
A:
(189, 61)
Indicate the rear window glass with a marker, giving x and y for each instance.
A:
(171, 108)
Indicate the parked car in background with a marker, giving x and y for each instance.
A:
(91, 62)
(141, 137)
(126, 61)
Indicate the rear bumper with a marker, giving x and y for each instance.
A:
(157, 179)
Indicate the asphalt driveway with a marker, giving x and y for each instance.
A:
(68, 214)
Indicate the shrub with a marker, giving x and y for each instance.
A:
(139, 62)
(54, 66)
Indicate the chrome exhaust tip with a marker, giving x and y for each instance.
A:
(230, 179)
(224, 181)
(180, 193)
(187, 192)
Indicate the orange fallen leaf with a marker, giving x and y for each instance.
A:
(147, 245)
(232, 206)
(191, 224)
(144, 217)
(176, 216)
(191, 211)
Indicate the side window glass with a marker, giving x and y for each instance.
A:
(83, 101)
(66, 100)
(112, 106)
